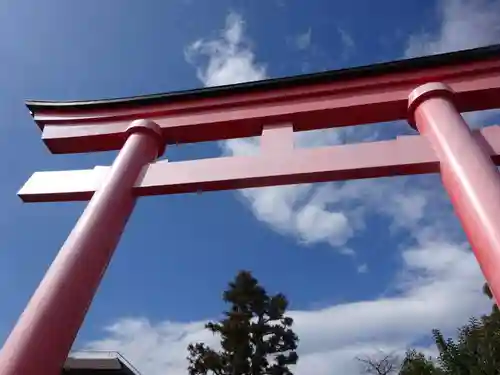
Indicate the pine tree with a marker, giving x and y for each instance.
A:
(256, 336)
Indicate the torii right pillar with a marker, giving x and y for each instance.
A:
(467, 171)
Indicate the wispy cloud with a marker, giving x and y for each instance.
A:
(348, 45)
(362, 268)
(464, 24)
(230, 58)
(303, 40)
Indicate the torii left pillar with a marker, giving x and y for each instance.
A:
(42, 338)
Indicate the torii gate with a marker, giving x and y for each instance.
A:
(430, 92)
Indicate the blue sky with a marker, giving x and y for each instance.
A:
(367, 265)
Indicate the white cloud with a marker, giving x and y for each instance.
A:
(346, 38)
(230, 59)
(303, 41)
(332, 337)
(464, 24)
(439, 282)
(316, 224)
(362, 268)
(347, 43)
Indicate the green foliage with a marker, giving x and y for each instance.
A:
(475, 351)
(256, 337)
(416, 363)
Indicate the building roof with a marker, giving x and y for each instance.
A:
(98, 363)
(446, 59)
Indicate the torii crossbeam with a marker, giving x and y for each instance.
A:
(430, 92)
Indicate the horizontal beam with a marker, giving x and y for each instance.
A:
(321, 105)
(406, 155)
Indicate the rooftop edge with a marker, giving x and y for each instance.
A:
(449, 58)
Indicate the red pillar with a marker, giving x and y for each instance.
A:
(468, 174)
(42, 338)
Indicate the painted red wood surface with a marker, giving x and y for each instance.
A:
(276, 166)
(334, 104)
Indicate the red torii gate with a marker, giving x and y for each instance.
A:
(430, 92)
